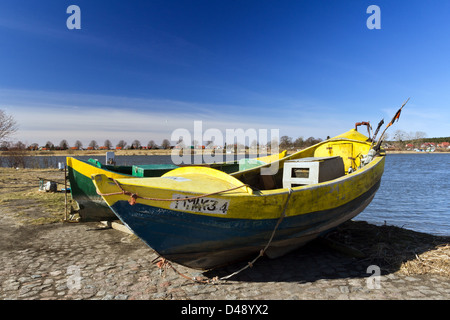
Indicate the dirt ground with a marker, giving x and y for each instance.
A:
(43, 257)
(391, 248)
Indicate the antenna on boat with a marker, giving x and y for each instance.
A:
(396, 117)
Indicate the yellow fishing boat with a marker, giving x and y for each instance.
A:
(204, 218)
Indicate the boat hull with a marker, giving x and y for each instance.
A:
(205, 242)
(91, 206)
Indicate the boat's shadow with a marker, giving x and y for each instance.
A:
(386, 249)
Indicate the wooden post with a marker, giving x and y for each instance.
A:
(65, 191)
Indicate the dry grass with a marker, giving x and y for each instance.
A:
(397, 249)
(434, 261)
(19, 193)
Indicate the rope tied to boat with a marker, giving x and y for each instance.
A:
(163, 263)
(262, 251)
(134, 196)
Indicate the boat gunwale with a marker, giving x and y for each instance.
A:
(293, 156)
(284, 192)
(277, 191)
(87, 163)
(352, 175)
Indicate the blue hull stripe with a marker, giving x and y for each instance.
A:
(174, 233)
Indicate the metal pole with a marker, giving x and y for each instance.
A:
(65, 191)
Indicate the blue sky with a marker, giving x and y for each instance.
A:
(141, 69)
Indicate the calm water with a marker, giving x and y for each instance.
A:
(414, 194)
(414, 191)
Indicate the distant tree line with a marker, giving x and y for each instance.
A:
(403, 140)
(93, 145)
(287, 142)
(8, 126)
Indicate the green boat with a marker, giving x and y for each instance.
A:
(91, 207)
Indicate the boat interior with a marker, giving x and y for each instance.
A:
(323, 162)
(119, 169)
(156, 170)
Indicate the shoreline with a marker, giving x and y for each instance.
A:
(75, 153)
(416, 152)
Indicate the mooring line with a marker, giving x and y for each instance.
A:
(163, 263)
(135, 196)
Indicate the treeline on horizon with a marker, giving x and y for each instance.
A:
(400, 139)
(93, 145)
(435, 140)
(285, 142)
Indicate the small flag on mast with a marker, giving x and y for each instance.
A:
(397, 115)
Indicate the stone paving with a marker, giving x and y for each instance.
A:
(68, 261)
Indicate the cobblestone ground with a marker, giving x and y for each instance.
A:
(86, 261)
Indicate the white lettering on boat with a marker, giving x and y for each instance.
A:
(203, 205)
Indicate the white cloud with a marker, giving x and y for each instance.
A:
(48, 116)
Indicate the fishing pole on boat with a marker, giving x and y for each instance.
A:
(396, 117)
(376, 132)
(378, 129)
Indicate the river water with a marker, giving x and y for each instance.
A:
(414, 194)
(414, 191)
